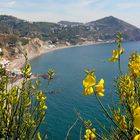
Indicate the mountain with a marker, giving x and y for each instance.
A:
(104, 29)
(13, 25)
(108, 26)
(17, 34)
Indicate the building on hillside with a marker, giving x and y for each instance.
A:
(4, 62)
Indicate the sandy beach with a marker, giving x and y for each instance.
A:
(18, 62)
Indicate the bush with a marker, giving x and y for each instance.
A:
(23, 107)
(125, 116)
(24, 41)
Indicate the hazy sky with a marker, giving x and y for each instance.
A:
(72, 10)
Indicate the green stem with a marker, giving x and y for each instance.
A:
(108, 115)
(73, 125)
(82, 120)
(40, 121)
(119, 63)
(80, 137)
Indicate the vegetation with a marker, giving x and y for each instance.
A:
(16, 33)
(103, 29)
(22, 107)
(125, 116)
(24, 41)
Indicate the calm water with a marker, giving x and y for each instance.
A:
(69, 65)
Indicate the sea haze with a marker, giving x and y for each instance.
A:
(69, 65)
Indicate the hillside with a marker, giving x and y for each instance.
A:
(68, 23)
(103, 29)
(17, 34)
(107, 27)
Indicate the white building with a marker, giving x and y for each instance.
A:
(4, 62)
(0, 50)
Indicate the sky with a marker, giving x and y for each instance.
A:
(72, 10)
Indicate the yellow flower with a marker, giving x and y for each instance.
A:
(88, 82)
(123, 123)
(40, 96)
(134, 106)
(38, 136)
(137, 137)
(89, 135)
(115, 56)
(126, 89)
(121, 50)
(136, 122)
(88, 131)
(134, 65)
(88, 91)
(93, 136)
(137, 111)
(42, 105)
(41, 100)
(100, 87)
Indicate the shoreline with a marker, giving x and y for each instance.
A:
(45, 51)
(19, 62)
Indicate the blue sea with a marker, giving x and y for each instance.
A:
(69, 65)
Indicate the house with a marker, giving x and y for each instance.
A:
(4, 62)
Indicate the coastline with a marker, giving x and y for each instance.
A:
(19, 62)
(45, 51)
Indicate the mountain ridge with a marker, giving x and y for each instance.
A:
(103, 29)
(17, 34)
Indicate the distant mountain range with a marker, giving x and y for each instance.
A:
(104, 29)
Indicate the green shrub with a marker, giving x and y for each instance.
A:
(22, 107)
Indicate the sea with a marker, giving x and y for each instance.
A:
(65, 93)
